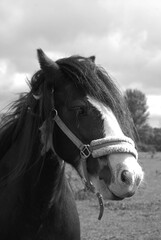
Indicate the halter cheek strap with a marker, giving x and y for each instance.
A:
(85, 152)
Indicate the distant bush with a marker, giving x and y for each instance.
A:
(146, 147)
(150, 139)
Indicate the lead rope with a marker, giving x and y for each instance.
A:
(90, 187)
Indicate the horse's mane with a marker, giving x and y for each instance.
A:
(19, 133)
(20, 128)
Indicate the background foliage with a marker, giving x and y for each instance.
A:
(149, 138)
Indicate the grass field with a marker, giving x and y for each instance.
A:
(136, 218)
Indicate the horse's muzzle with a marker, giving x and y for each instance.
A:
(125, 174)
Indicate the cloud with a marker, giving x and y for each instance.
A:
(11, 83)
(124, 35)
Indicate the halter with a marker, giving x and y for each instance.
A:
(96, 149)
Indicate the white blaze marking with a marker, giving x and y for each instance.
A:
(111, 125)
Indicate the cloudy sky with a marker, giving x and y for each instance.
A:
(125, 36)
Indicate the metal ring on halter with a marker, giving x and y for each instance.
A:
(85, 152)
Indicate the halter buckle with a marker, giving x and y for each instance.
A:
(85, 152)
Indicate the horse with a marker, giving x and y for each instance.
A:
(73, 113)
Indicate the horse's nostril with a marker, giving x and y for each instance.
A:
(126, 177)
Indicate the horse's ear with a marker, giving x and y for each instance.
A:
(46, 63)
(50, 68)
(92, 58)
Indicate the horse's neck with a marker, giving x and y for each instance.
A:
(35, 196)
(27, 203)
(52, 204)
(47, 182)
(39, 201)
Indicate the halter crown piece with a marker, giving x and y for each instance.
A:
(96, 148)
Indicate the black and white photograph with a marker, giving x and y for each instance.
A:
(80, 120)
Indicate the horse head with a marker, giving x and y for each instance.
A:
(91, 127)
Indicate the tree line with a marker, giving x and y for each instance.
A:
(149, 137)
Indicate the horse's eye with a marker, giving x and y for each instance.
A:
(80, 110)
